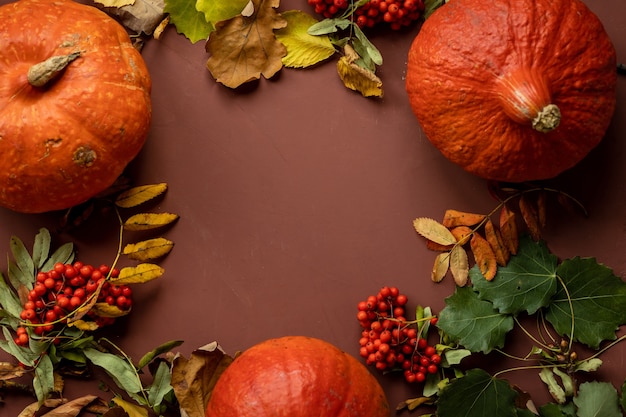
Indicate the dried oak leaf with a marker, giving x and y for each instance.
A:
(484, 256)
(358, 78)
(453, 218)
(244, 48)
(508, 229)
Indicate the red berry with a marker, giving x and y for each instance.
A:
(420, 377)
(432, 369)
(429, 351)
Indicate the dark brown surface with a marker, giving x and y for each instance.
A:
(296, 199)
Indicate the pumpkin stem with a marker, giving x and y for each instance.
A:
(547, 119)
(42, 73)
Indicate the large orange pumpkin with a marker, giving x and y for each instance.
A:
(69, 126)
(296, 376)
(513, 90)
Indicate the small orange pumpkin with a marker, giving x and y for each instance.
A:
(296, 376)
(513, 90)
(74, 103)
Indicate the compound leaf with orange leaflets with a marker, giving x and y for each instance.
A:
(454, 218)
(493, 236)
(484, 256)
(508, 229)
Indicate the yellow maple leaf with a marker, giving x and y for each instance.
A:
(244, 48)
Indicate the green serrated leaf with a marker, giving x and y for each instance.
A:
(526, 283)
(187, 20)
(477, 394)
(303, 49)
(474, 323)
(165, 347)
(598, 302)
(558, 410)
(41, 247)
(597, 399)
(43, 381)
(122, 373)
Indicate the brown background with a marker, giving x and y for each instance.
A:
(297, 197)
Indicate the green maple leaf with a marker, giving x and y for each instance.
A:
(477, 394)
(526, 283)
(472, 322)
(597, 399)
(598, 301)
(188, 20)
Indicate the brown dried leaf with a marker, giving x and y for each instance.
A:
(453, 218)
(494, 238)
(440, 267)
(244, 48)
(10, 371)
(462, 234)
(542, 209)
(148, 249)
(72, 408)
(484, 256)
(193, 379)
(508, 229)
(138, 195)
(459, 265)
(437, 247)
(357, 78)
(530, 216)
(433, 230)
(147, 221)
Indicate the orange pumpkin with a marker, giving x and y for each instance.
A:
(296, 376)
(70, 125)
(513, 90)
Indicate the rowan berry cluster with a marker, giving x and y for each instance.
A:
(397, 13)
(390, 342)
(56, 294)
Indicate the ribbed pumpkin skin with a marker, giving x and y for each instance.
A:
(296, 376)
(63, 143)
(473, 58)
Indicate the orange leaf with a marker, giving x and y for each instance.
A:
(459, 265)
(462, 234)
(440, 267)
(508, 229)
(244, 48)
(437, 247)
(530, 216)
(453, 218)
(494, 238)
(484, 256)
(541, 209)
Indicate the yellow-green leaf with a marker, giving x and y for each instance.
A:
(303, 50)
(108, 310)
(139, 195)
(433, 230)
(146, 221)
(188, 20)
(216, 11)
(115, 3)
(131, 409)
(87, 326)
(138, 274)
(148, 249)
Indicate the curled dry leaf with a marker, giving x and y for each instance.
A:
(508, 230)
(356, 77)
(10, 371)
(147, 221)
(136, 196)
(484, 256)
(148, 249)
(453, 218)
(530, 215)
(494, 238)
(133, 410)
(71, 408)
(459, 265)
(440, 267)
(107, 310)
(433, 230)
(244, 48)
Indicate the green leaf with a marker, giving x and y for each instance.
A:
(161, 385)
(122, 372)
(455, 356)
(526, 283)
(623, 402)
(303, 49)
(370, 55)
(328, 26)
(41, 247)
(43, 381)
(64, 254)
(23, 355)
(217, 11)
(188, 20)
(524, 412)
(165, 347)
(598, 301)
(597, 399)
(474, 323)
(22, 258)
(477, 394)
(9, 300)
(557, 410)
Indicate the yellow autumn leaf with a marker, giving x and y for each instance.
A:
(148, 249)
(303, 50)
(131, 409)
(459, 265)
(115, 3)
(138, 274)
(138, 195)
(440, 267)
(86, 326)
(108, 310)
(358, 78)
(146, 221)
(433, 230)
